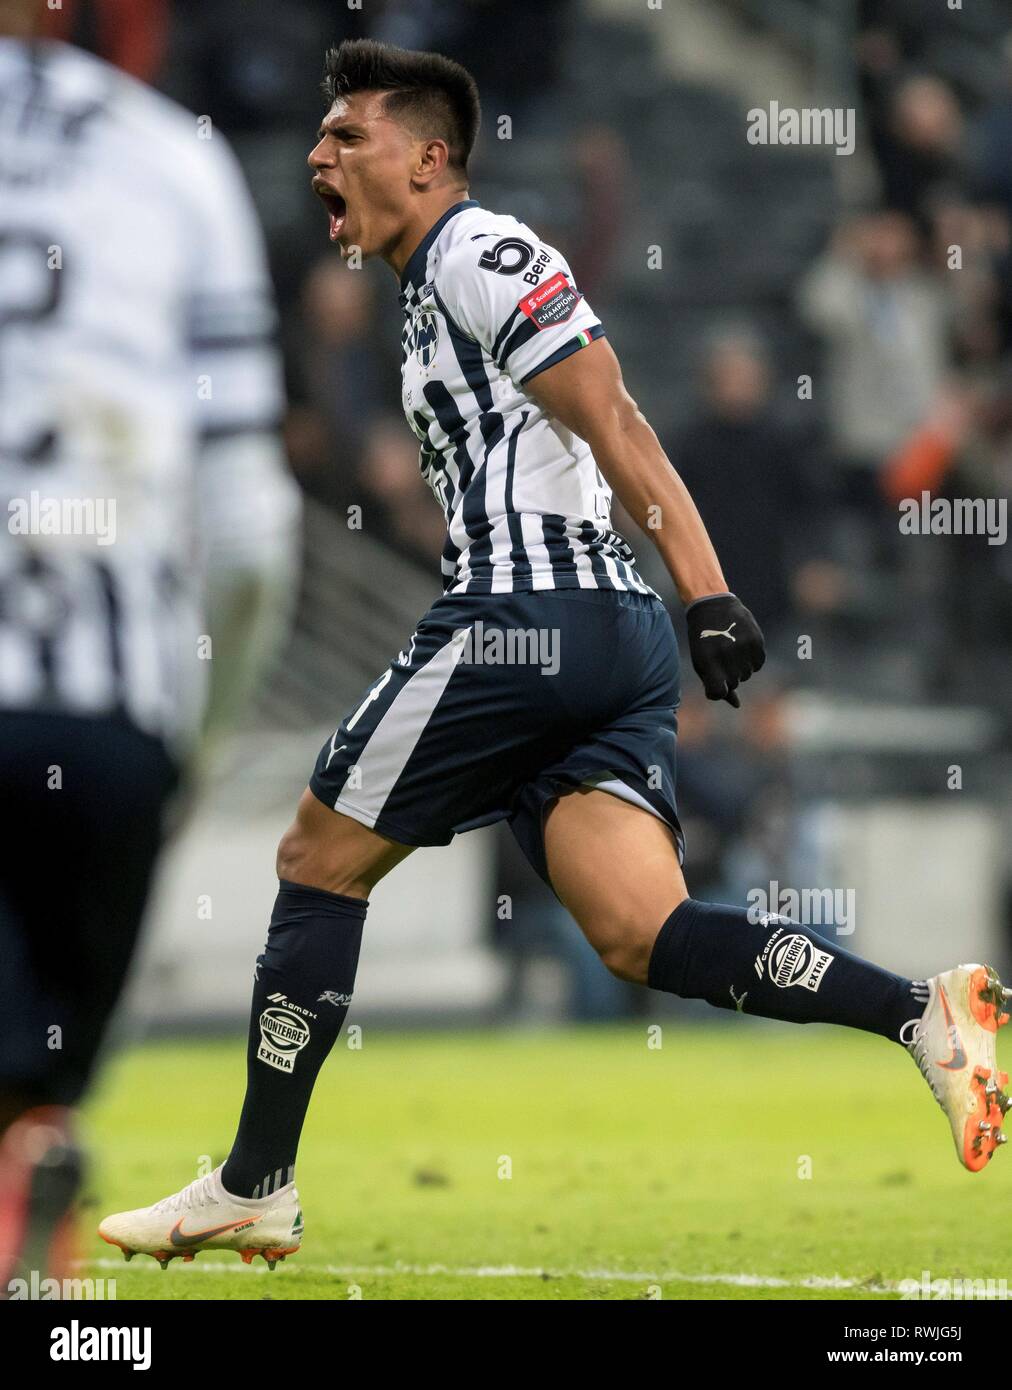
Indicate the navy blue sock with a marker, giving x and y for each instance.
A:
(303, 986)
(776, 969)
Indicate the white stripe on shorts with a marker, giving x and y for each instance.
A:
(393, 740)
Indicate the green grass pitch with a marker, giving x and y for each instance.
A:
(633, 1172)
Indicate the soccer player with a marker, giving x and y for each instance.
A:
(540, 688)
(142, 516)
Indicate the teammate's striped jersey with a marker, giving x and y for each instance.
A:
(136, 326)
(488, 306)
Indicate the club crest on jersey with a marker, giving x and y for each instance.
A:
(553, 302)
(426, 336)
(283, 1035)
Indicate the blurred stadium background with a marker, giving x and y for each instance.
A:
(627, 135)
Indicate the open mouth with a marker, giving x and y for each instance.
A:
(337, 209)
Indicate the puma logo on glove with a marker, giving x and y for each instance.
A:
(722, 666)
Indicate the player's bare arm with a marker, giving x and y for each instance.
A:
(585, 393)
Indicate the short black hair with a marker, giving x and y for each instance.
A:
(433, 95)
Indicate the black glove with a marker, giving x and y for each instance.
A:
(726, 644)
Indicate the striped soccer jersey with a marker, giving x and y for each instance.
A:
(136, 351)
(488, 306)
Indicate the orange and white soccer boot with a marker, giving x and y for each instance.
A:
(203, 1216)
(954, 1047)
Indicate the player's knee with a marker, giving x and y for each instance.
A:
(627, 956)
(301, 859)
(292, 853)
(307, 857)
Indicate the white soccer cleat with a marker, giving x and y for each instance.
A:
(204, 1216)
(954, 1047)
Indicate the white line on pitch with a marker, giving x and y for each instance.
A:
(745, 1281)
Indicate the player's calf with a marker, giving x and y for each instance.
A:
(303, 987)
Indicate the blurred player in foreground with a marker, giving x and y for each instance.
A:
(139, 518)
(540, 688)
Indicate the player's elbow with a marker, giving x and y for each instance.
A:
(627, 415)
(615, 426)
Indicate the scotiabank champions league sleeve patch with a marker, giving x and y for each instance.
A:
(553, 302)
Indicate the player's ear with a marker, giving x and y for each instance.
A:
(433, 157)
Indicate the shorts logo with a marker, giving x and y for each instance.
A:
(283, 1035)
(334, 751)
(554, 302)
(795, 960)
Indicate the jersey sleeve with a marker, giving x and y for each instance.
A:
(232, 321)
(517, 298)
(249, 503)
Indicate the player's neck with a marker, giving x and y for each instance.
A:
(420, 224)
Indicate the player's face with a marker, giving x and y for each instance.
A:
(362, 171)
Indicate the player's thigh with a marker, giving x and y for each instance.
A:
(615, 867)
(326, 849)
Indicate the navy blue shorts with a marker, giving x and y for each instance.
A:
(502, 702)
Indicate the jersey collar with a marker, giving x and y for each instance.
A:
(414, 271)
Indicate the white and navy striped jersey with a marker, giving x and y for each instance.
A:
(136, 328)
(488, 306)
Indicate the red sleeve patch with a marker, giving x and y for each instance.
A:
(553, 302)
